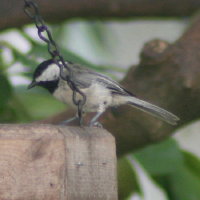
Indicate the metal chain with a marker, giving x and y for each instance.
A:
(31, 9)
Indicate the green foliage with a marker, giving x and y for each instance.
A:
(175, 170)
(161, 159)
(42, 104)
(192, 162)
(5, 97)
(184, 185)
(127, 183)
(10, 108)
(185, 182)
(5, 91)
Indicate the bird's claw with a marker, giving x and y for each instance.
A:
(96, 124)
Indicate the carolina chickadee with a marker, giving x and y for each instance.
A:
(101, 91)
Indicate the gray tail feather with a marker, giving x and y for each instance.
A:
(154, 110)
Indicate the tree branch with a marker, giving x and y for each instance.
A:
(12, 15)
(168, 76)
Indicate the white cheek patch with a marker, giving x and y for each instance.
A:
(51, 73)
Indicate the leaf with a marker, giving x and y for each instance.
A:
(40, 105)
(7, 114)
(40, 50)
(126, 178)
(1, 58)
(97, 33)
(184, 185)
(59, 31)
(160, 159)
(5, 91)
(18, 112)
(22, 58)
(192, 162)
(149, 189)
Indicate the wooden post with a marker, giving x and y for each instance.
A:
(46, 162)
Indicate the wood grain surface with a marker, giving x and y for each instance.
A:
(46, 162)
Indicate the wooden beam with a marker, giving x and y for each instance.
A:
(12, 15)
(46, 162)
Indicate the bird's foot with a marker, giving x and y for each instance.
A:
(96, 124)
(66, 122)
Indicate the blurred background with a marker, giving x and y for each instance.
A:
(169, 170)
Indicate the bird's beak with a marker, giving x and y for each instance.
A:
(33, 84)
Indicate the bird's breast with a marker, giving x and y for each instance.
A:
(64, 94)
(98, 98)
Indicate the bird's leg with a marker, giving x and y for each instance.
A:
(94, 121)
(69, 120)
(80, 112)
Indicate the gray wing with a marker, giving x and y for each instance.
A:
(84, 77)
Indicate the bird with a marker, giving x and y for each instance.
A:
(101, 91)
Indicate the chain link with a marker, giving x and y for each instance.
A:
(31, 9)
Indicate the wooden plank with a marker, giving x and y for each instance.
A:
(45, 162)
